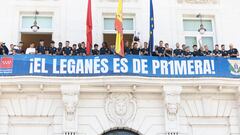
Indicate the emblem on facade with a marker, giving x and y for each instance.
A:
(172, 101)
(70, 98)
(70, 101)
(120, 108)
(172, 104)
(198, 1)
(234, 67)
(172, 110)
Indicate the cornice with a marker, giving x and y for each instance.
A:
(119, 83)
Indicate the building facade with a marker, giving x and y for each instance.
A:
(175, 21)
(95, 106)
(130, 105)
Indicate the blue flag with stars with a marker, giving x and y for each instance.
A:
(151, 32)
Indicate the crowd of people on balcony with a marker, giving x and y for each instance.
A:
(135, 48)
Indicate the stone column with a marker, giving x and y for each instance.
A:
(238, 106)
(5, 129)
(172, 103)
(70, 97)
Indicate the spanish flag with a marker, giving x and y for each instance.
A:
(119, 45)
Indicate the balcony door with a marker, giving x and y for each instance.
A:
(27, 38)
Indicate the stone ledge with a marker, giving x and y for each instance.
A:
(118, 84)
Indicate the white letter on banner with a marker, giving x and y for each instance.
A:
(190, 67)
(198, 67)
(96, 66)
(37, 65)
(80, 67)
(155, 66)
(164, 67)
(44, 66)
(124, 67)
(88, 66)
(63, 66)
(171, 67)
(71, 66)
(55, 71)
(144, 66)
(213, 67)
(180, 67)
(104, 68)
(31, 66)
(207, 67)
(136, 66)
(116, 65)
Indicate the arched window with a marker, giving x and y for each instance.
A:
(120, 132)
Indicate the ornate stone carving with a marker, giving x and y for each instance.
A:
(70, 103)
(120, 108)
(70, 100)
(172, 110)
(70, 97)
(172, 103)
(198, 1)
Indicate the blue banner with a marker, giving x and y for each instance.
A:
(146, 66)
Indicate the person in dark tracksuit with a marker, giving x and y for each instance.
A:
(67, 50)
(233, 52)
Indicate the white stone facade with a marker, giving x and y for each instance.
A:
(91, 106)
(69, 18)
(40, 105)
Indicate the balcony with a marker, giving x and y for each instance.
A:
(32, 73)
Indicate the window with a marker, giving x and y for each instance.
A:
(216, 129)
(190, 40)
(193, 25)
(192, 36)
(27, 126)
(43, 22)
(208, 41)
(109, 33)
(109, 24)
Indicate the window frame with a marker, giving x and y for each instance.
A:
(124, 31)
(197, 34)
(27, 30)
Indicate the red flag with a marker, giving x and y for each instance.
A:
(89, 28)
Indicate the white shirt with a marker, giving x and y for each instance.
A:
(30, 51)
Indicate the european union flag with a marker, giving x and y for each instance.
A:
(151, 34)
